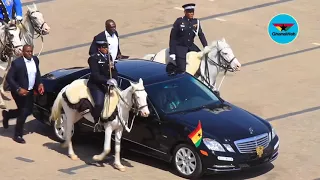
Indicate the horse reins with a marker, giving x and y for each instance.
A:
(8, 46)
(39, 30)
(135, 109)
(219, 64)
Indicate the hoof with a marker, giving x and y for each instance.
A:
(97, 158)
(120, 167)
(73, 157)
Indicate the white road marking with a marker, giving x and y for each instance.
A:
(179, 8)
(219, 19)
(211, 0)
(317, 44)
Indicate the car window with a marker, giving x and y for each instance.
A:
(151, 108)
(124, 84)
(180, 94)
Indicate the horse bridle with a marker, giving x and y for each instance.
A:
(8, 46)
(38, 29)
(133, 107)
(135, 103)
(226, 67)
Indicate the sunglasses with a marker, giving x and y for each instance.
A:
(104, 46)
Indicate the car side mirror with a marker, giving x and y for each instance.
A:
(217, 93)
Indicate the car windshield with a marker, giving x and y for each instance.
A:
(180, 94)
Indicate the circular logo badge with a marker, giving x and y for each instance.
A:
(283, 29)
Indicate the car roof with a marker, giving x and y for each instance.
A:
(133, 69)
(149, 71)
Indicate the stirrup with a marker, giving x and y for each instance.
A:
(98, 127)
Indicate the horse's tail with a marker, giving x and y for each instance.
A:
(57, 106)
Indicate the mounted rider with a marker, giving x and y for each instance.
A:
(8, 9)
(182, 37)
(103, 74)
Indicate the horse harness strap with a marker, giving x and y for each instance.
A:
(219, 64)
(37, 29)
(136, 110)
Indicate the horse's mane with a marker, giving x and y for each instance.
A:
(208, 48)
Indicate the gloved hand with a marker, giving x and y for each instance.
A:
(173, 57)
(112, 82)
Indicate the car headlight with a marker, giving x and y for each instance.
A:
(213, 145)
(228, 147)
(273, 133)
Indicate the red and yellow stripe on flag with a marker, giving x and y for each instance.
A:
(196, 135)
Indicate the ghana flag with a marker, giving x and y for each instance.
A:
(283, 27)
(196, 135)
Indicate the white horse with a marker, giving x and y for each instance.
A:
(10, 45)
(32, 25)
(214, 58)
(134, 97)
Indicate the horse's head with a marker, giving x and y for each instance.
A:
(222, 52)
(37, 20)
(139, 97)
(227, 54)
(12, 38)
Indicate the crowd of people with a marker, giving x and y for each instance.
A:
(103, 54)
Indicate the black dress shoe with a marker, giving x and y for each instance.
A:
(5, 119)
(19, 139)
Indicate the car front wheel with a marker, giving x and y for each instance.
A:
(187, 161)
(59, 129)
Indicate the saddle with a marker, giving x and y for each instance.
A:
(78, 96)
(193, 60)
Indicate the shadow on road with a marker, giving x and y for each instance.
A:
(86, 146)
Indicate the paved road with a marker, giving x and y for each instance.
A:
(277, 82)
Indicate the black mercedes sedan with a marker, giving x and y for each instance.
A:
(188, 126)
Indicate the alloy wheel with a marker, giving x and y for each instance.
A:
(185, 161)
(59, 129)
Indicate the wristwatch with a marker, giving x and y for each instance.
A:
(18, 89)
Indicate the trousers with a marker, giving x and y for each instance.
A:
(181, 56)
(24, 109)
(98, 98)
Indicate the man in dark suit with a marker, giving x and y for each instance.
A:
(23, 78)
(111, 36)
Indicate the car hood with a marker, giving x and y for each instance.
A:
(224, 121)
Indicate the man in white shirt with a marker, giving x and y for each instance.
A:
(23, 79)
(111, 36)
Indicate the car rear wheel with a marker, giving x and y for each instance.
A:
(59, 129)
(187, 161)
